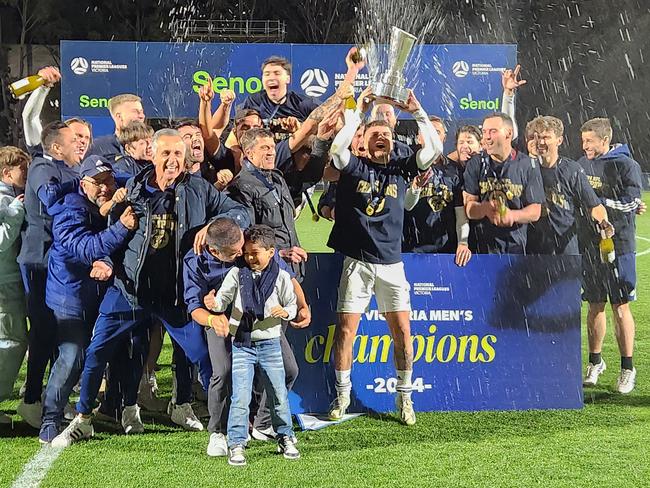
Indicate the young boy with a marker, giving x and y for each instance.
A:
(262, 296)
(13, 324)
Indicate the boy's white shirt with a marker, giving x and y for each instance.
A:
(269, 328)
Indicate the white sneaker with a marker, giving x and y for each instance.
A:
(236, 456)
(625, 381)
(69, 412)
(5, 419)
(184, 416)
(339, 406)
(593, 372)
(288, 448)
(131, 421)
(217, 445)
(31, 413)
(405, 409)
(264, 434)
(80, 428)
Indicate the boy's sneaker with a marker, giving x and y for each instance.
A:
(31, 413)
(339, 406)
(236, 456)
(593, 372)
(288, 448)
(147, 394)
(5, 419)
(131, 421)
(405, 409)
(217, 445)
(625, 381)
(80, 428)
(184, 416)
(48, 433)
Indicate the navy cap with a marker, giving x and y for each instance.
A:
(94, 165)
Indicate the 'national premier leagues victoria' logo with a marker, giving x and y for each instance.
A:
(460, 69)
(79, 66)
(314, 82)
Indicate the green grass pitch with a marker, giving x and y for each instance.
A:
(603, 445)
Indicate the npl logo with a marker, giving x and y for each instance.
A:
(79, 66)
(460, 69)
(314, 82)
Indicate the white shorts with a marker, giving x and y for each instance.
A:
(360, 280)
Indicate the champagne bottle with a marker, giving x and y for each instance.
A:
(606, 246)
(19, 89)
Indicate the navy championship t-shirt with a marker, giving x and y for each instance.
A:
(295, 105)
(518, 182)
(567, 190)
(370, 209)
(431, 225)
(158, 279)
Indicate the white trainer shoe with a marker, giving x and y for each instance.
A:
(131, 421)
(339, 406)
(236, 456)
(405, 409)
(625, 381)
(184, 416)
(80, 428)
(593, 372)
(288, 448)
(31, 413)
(265, 435)
(217, 445)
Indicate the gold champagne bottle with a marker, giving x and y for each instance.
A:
(350, 103)
(25, 86)
(606, 246)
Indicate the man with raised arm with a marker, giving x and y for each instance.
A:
(368, 231)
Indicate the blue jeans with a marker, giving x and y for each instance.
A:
(267, 356)
(72, 336)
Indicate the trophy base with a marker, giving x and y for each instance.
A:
(393, 94)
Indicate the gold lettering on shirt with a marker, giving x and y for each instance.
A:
(595, 182)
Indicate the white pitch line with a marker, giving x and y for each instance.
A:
(643, 238)
(35, 470)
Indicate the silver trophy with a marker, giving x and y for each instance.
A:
(390, 85)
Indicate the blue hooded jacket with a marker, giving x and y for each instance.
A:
(616, 179)
(197, 202)
(80, 237)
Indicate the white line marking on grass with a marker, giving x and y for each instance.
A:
(647, 251)
(643, 238)
(35, 470)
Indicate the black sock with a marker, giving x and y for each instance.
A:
(626, 362)
(594, 358)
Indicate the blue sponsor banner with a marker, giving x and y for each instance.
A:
(461, 81)
(502, 333)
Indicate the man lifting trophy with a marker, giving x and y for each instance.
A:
(368, 227)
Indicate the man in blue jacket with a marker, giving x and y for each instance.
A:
(49, 176)
(173, 208)
(616, 179)
(80, 239)
(123, 108)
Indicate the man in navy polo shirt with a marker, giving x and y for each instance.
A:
(503, 190)
(368, 231)
(49, 177)
(616, 179)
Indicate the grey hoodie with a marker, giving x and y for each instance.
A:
(12, 214)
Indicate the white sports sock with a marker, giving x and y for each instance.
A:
(343, 382)
(404, 385)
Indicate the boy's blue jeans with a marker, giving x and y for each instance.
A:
(267, 355)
